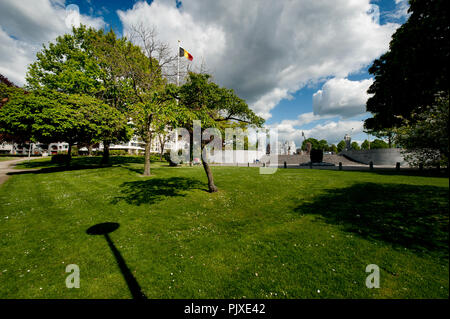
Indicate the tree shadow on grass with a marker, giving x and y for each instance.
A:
(82, 161)
(415, 217)
(61, 168)
(154, 189)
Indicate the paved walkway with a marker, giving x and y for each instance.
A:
(8, 166)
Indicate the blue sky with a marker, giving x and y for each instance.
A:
(277, 55)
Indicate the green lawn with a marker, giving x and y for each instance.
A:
(287, 235)
(6, 158)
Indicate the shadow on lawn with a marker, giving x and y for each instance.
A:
(151, 190)
(104, 229)
(415, 217)
(84, 161)
(61, 168)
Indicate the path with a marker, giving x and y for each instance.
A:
(8, 166)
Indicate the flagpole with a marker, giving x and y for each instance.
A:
(178, 68)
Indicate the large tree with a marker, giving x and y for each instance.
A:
(414, 69)
(81, 63)
(151, 99)
(212, 105)
(49, 116)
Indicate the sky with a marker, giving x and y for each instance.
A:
(300, 64)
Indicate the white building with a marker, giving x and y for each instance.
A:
(36, 148)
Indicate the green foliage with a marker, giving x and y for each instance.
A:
(377, 143)
(91, 88)
(333, 148)
(365, 145)
(355, 146)
(315, 144)
(167, 159)
(341, 146)
(425, 137)
(68, 64)
(118, 152)
(415, 68)
(205, 101)
(48, 116)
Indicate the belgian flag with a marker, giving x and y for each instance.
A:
(183, 52)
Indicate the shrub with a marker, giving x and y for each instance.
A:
(316, 156)
(167, 158)
(118, 152)
(74, 151)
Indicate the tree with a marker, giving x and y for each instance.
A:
(365, 145)
(82, 63)
(341, 146)
(415, 68)
(8, 91)
(315, 144)
(426, 137)
(212, 105)
(49, 116)
(151, 100)
(377, 143)
(355, 146)
(333, 148)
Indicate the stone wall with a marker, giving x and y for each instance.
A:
(382, 156)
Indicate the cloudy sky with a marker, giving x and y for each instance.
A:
(301, 64)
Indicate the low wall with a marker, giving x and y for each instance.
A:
(382, 156)
(237, 156)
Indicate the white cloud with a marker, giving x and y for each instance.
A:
(331, 131)
(400, 12)
(25, 26)
(342, 97)
(266, 50)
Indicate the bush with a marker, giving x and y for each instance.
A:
(74, 151)
(118, 152)
(167, 158)
(60, 158)
(316, 156)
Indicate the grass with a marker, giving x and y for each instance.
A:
(6, 158)
(287, 235)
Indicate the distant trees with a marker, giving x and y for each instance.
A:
(333, 148)
(355, 146)
(341, 146)
(365, 145)
(378, 143)
(315, 144)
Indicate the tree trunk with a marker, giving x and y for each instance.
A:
(211, 187)
(148, 143)
(105, 158)
(90, 150)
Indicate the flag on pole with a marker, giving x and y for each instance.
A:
(186, 54)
